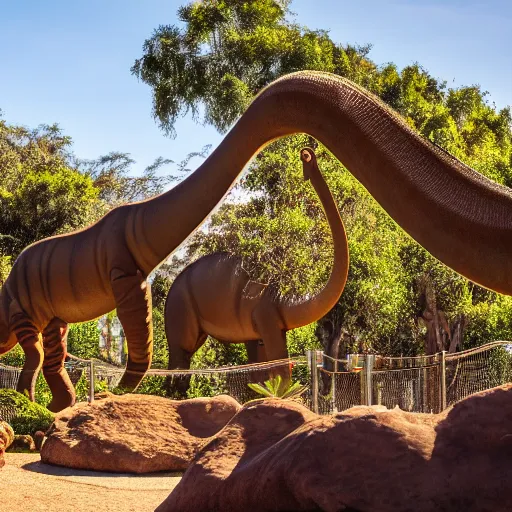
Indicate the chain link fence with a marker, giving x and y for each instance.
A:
(90, 376)
(426, 384)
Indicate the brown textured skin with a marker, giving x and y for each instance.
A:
(458, 215)
(214, 296)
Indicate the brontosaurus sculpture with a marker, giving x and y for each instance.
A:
(458, 215)
(215, 296)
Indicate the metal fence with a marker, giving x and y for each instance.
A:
(420, 384)
(90, 376)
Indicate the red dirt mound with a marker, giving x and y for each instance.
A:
(277, 455)
(135, 433)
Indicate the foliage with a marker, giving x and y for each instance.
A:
(215, 62)
(30, 417)
(5, 268)
(15, 357)
(152, 385)
(302, 339)
(214, 353)
(47, 191)
(83, 340)
(43, 204)
(276, 388)
(110, 175)
(500, 367)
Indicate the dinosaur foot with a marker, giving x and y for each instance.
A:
(62, 390)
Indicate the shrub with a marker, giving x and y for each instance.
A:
(30, 417)
(277, 388)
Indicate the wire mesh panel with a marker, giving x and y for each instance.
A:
(411, 389)
(339, 391)
(7, 413)
(230, 380)
(415, 384)
(9, 376)
(477, 370)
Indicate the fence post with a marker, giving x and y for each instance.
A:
(333, 384)
(367, 379)
(443, 380)
(313, 371)
(91, 381)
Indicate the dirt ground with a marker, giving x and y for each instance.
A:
(28, 485)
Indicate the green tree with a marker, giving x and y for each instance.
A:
(46, 190)
(83, 340)
(111, 176)
(45, 203)
(224, 52)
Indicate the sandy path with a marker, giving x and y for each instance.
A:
(28, 485)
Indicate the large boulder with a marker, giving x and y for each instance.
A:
(277, 455)
(6, 439)
(135, 433)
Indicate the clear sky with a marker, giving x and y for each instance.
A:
(69, 61)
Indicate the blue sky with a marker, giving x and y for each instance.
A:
(69, 62)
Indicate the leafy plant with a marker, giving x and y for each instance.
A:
(276, 388)
(30, 417)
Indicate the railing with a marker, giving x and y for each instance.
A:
(426, 384)
(419, 384)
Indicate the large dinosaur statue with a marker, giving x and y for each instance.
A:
(458, 215)
(215, 296)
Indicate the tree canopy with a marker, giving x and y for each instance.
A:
(47, 191)
(214, 63)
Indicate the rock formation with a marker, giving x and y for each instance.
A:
(135, 433)
(23, 442)
(277, 455)
(6, 438)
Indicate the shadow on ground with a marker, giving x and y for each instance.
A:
(129, 481)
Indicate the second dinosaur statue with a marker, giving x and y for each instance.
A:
(215, 296)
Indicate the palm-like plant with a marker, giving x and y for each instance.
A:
(275, 388)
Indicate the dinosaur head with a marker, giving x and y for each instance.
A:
(308, 157)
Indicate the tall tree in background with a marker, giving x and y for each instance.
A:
(46, 191)
(224, 52)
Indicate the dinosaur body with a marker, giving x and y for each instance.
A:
(215, 296)
(458, 215)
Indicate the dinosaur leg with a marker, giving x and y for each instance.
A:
(255, 351)
(274, 340)
(179, 359)
(29, 338)
(184, 337)
(133, 301)
(55, 337)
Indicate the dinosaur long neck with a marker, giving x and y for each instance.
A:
(459, 216)
(307, 311)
